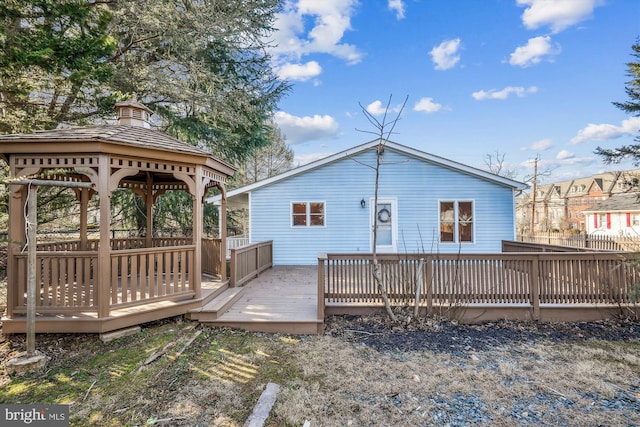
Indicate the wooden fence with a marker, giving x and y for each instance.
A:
(249, 261)
(597, 242)
(528, 279)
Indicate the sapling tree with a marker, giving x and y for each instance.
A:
(383, 130)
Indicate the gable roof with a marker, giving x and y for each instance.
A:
(421, 155)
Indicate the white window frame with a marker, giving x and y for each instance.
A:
(456, 221)
(308, 214)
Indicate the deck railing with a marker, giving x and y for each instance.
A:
(461, 279)
(249, 261)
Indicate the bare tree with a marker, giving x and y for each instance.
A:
(495, 163)
(383, 130)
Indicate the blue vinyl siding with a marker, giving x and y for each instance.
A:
(417, 185)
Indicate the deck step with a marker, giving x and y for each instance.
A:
(211, 291)
(218, 306)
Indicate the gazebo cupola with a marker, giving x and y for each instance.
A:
(133, 113)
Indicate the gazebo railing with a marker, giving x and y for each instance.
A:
(64, 282)
(116, 244)
(147, 274)
(68, 280)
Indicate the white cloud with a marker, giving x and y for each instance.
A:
(301, 129)
(330, 20)
(552, 165)
(557, 14)
(533, 52)
(604, 131)
(427, 105)
(445, 55)
(564, 155)
(398, 7)
(504, 93)
(541, 145)
(303, 159)
(376, 108)
(299, 72)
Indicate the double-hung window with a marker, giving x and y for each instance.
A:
(456, 221)
(307, 214)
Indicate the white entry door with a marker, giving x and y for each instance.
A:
(383, 220)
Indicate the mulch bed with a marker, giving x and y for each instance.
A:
(443, 336)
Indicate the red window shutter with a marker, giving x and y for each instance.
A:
(628, 219)
(608, 220)
(595, 220)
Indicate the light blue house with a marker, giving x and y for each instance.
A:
(425, 204)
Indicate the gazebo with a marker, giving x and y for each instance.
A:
(104, 284)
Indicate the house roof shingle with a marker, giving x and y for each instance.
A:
(628, 202)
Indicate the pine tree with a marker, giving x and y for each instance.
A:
(632, 106)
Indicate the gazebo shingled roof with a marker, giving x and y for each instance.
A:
(125, 135)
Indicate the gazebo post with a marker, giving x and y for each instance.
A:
(222, 214)
(198, 220)
(84, 206)
(103, 278)
(148, 201)
(16, 235)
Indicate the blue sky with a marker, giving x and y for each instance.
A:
(525, 78)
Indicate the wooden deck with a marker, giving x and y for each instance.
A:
(282, 299)
(124, 317)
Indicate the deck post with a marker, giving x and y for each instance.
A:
(321, 260)
(534, 283)
(428, 280)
